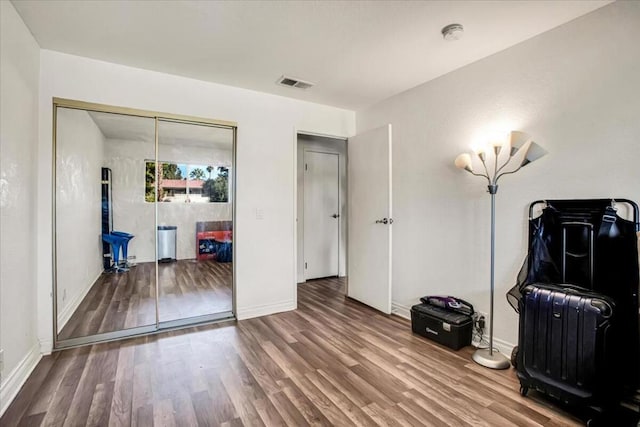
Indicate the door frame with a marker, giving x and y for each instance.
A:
(297, 132)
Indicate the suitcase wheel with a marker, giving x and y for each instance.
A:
(599, 420)
(524, 390)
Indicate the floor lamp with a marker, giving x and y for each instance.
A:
(490, 357)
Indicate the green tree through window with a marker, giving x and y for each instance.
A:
(196, 173)
(171, 171)
(218, 188)
(149, 182)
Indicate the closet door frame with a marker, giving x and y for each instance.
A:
(158, 326)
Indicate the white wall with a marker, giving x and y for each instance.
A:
(133, 215)
(576, 89)
(265, 164)
(79, 160)
(324, 145)
(19, 71)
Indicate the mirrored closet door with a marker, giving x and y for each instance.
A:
(143, 222)
(195, 220)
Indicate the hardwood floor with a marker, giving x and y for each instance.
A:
(194, 288)
(331, 362)
(125, 300)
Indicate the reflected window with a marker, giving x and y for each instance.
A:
(186, 183)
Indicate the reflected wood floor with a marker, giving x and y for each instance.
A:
(119, 301)
(331, 362)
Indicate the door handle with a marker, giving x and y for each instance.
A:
(335, 216)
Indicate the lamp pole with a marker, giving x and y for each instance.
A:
(493, 189)
(487, 356)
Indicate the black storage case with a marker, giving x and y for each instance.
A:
(442, 326)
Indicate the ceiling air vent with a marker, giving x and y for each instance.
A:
(293, 82)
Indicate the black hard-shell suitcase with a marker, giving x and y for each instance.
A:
(569, 347)
(585, 244)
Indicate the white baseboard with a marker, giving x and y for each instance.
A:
(46, 346)
(67, 312)
(505, 347)
(264, 310)
(15, 380)
(401, 310)
(301, 279)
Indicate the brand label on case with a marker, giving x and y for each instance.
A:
(431, 331)
(446, 327)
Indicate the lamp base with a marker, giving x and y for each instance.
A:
(496, 360)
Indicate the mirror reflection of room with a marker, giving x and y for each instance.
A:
(194, 220)
(105, 282)
(109, 241)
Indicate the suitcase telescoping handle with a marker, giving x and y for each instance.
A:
(565, 252)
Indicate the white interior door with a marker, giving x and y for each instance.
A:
(321, 214)
(370, 218)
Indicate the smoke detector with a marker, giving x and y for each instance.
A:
(293, 82)
(452, 32)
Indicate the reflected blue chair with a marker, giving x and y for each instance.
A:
(116, 243)
(126, 237)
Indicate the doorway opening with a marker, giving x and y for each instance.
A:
(321, 208)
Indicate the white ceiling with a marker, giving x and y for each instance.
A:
(132, 128)
(128, 128)
(357, 52)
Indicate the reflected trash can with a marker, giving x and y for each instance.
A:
(167, 243)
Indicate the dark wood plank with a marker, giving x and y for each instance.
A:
(119, 301)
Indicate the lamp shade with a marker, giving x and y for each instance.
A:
(534, 152)
(516, 140)
(497, 146)
(463, 161)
